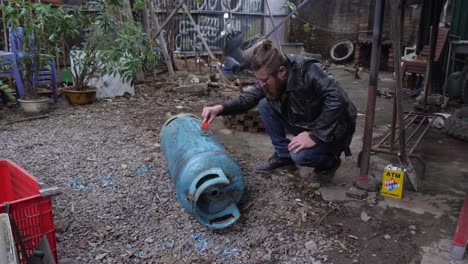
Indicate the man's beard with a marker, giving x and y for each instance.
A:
(274, 92)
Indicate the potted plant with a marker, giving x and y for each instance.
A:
(111, 46)
(35, 31)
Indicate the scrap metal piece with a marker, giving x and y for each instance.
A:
(356, 193)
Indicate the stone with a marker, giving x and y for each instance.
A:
(365, 217)
(83, 244)
(101, 256)
(311, 245)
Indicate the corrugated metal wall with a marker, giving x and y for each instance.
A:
(247, 14)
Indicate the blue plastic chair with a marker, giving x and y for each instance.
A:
(46, 75)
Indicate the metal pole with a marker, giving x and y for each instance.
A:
(166, 55)
(395, 65)
(285, 19)
(273, 25)
(363, 181)
(403, 155)
(434, 30)
(164, 24)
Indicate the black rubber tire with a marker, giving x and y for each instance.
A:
(456, 125)
(339, 45)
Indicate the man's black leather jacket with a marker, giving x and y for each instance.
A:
(312, 100)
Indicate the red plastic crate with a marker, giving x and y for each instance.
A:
(32, 212)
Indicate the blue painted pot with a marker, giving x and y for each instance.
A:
(208, 181)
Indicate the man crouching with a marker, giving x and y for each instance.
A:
(297, 94)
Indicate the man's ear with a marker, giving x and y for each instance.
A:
(282, 71)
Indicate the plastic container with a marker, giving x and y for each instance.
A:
(29, 205)
(209, 182)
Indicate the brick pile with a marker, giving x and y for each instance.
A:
(246, 122)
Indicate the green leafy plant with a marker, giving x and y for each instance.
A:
(138, 5)
(290, 7)
(111, 46)
(42, 27)
(7, 91)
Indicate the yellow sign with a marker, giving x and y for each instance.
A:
(392, 181)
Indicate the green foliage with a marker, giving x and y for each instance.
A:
(5, 88)
(138, 5)
(288, 6)
(42, 26)
(111, 47)
(307, 28)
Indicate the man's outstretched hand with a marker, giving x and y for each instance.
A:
(210, 112)
(300, 142)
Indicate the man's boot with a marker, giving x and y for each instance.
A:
(324, 176)
(273, 162)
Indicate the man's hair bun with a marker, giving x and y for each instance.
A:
(268, 56)
(267, 45)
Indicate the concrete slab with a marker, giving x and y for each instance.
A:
(439, 252)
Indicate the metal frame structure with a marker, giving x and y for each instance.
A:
(415, 124)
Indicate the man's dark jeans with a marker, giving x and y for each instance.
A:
(321, 156)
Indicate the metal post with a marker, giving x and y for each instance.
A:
(286, 19)
(403, 157)
(428, 76)
(273, 25)
(164, 24)
(363, 181)
(162, 42)
(395, 65)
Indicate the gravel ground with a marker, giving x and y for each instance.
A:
(118, 203)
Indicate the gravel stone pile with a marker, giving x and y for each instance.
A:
(118, 203)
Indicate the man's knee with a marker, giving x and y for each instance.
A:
(310, 157)
(303, 159)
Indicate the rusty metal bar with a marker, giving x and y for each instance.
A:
(422, 135)
(407, 125)
(363, 180)
(385, 148)
(392, 133)
(427, 77)
(393, 128)
(408, 139)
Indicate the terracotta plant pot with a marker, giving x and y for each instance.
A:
(75, 97)
(34, 106)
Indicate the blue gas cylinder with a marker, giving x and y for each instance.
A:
(208, 181)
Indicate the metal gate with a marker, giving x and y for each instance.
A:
(247, 15)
